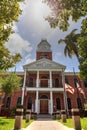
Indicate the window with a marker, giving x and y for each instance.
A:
(44, 81)
(66, 80)
(69, 103)
(31, 82)
(85, 83)
(43, 97)
(8, 102)
(75, 82)
(44, 56)
(56, 82)
(29, 103)
(79, 103)
(19, 100)
(58, 104)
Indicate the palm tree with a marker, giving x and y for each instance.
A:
(71, 45)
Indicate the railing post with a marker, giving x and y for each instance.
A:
(63, 115)
(76, 119)
(18, 119)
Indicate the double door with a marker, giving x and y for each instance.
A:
(44, 106)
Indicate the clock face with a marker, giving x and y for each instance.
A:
(45, 47)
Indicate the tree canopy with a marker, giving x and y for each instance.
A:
(10, 82)
(9, 13)
(62, 12)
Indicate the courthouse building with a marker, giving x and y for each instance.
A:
(43, 89)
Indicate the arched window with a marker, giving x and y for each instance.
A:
(66, 80)
(75, 82)
(43, 97)
(44, 56)
(69, 103)
(56, 82)
(58, 104)
(79, 103)
(19, 100)
(8, 102)
(31, 82)
(29, 103)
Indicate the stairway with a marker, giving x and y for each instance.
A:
(44, 117)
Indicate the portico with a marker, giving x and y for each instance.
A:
(45, 84)
(44, 77)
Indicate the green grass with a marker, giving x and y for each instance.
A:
(69, 123)
(8, 123)
(84, 123)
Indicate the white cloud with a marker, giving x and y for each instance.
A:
(17, 44)
(33, 16)
(15, 28)
(28, 59)
(56, 55)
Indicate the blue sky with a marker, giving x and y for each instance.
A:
(29, 31)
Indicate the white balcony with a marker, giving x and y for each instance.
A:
(45, 89)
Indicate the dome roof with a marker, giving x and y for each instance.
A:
(44, 46)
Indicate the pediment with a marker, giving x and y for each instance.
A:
(44, 63)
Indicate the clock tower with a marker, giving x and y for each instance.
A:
(44, 50)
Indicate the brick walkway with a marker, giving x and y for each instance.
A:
(47, 125)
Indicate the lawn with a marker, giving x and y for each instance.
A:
(70, 124)
(8, 123)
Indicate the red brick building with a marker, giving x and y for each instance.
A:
(43, 88)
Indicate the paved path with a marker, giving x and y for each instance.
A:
(47, 125)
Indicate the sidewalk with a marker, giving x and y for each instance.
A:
(47, 125)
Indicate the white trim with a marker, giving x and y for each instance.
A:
(45, 89)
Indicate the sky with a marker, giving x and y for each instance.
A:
(31, 29)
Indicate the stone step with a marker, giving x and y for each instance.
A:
(46, 116)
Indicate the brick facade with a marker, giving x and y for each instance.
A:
(45, 95)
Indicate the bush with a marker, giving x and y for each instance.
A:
(19, 106)
(12, 111)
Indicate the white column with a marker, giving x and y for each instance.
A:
(37, 85)
(51, 102)
(64, 93)
(36, 107)
(50, 79)
(48, 83)
(23, 89)
(37, 82)
(51, 94)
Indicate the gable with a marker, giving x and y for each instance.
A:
(44, 64)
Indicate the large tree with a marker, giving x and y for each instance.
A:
(62, 12)
(9, 82)
(82, 42)
(9, 13)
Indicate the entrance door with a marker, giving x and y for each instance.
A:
(43, 106)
